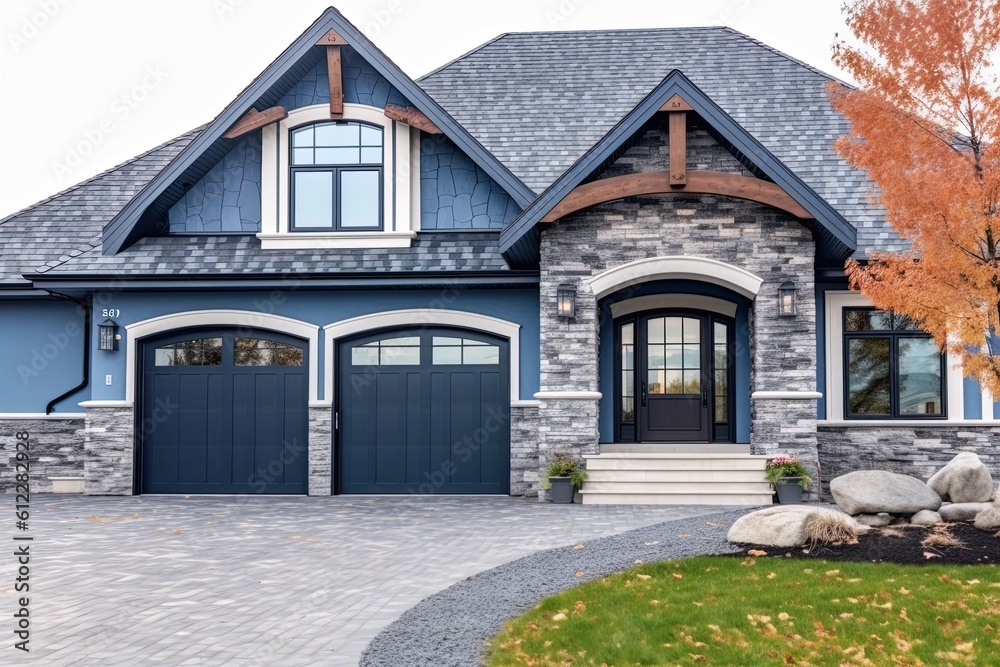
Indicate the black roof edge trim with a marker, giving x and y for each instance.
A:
(21, 292)
(117, 230)
(677, 82)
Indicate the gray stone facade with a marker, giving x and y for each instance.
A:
(320, 451)
(523, 450)
(56, 450)
(919, 451)
(764, 241)
(109, 451)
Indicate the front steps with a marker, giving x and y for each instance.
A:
(675, 476)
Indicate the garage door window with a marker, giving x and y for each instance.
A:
(199, 352)
(388, 352)
(464, 351)
(263, 352)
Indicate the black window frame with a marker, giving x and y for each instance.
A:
(336, 170)
(895, 336)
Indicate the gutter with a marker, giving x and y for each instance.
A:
(87, 320)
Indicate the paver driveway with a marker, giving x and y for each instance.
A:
(265, 580)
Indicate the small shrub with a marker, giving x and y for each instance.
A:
(564, 465)
(786, 465)
(830, 530)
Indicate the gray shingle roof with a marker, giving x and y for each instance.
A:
(69, 223)
(215, 255)
(538, 101)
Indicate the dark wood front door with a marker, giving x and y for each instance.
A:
(674, 369)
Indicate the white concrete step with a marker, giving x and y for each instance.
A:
(612, 498)
(675, 462)
(673, 475)
(693, 486)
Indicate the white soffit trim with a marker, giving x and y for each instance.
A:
(677, 267)
(134, 333)
(41, 415)
(422, 318)
(786, 395)
(568, 395)
(686, 301)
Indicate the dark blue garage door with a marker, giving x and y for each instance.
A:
(224, 412)
(424, 412)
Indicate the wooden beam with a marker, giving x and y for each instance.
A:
(659, 183)
(331, 38)
(412, 117)
(336, 81)
(678, 148)
(676, 103)
(253, 120)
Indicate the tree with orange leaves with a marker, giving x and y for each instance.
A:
(925, 125)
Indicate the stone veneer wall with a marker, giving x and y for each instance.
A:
(523, 450)
(320, 451)
(56, 451)
(917, 451)
(108, 462)
(757, 238)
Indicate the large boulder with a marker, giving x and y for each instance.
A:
(783, 525)
(965, 479)
(988, 519)
(961, 511)
(874, 491)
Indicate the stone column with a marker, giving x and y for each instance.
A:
(524, 449)
(109, 448)
(320, 450)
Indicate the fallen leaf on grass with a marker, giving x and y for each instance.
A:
(696, 657)
(559, 617)
(772, 575)
(677, 576)
(972, 582)
(644, 577)
(904, 591)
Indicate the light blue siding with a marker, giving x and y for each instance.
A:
(42, 355)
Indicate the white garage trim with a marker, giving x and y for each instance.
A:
(423, 318)
(134, 333)
(677, 267)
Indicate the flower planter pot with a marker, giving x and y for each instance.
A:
(789, 490)
(562, 489)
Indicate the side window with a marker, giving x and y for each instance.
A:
(464, 351)
(336, 177)
(404, 351)
(199, 352)
(264, 352)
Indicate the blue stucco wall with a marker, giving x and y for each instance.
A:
(741, 389)
(322, 308)
(362, 85)
(227, 199)
(455, 193)
(43, 355)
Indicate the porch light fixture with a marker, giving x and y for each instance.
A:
(108, 336)
(786, 299)
(566, 301)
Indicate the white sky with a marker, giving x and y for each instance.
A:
(87, 84)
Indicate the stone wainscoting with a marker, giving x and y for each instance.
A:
(56, 450)
(918, 451)
(524, 450)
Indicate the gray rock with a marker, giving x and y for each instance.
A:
(961, 511)
(988, 519)
(875, 491)
(925, 518)
(965, 479)
(783, 525)
(874, 520)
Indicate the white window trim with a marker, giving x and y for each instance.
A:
(836, 302)
(134, 333)
(423, 318)
(401, 184)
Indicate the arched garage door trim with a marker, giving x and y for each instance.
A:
(134, 333)
(334, 332)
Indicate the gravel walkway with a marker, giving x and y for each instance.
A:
(450, 628)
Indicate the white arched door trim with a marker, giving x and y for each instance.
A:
(679, 267)
(134, 333)
(422, 318)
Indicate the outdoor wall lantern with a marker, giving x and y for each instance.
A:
(108, 336)
(786, 299)
(566, 301)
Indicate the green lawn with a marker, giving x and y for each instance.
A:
(767, 611)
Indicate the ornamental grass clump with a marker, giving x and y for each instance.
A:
(786, 465)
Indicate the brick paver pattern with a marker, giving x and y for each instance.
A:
(253, 580)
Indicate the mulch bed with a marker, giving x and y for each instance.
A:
(904, 544)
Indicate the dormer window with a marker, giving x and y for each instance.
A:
(336, 177)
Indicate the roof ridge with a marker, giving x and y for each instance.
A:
(95, 177)
(675, 28)
(465, 55)
(778, 52)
